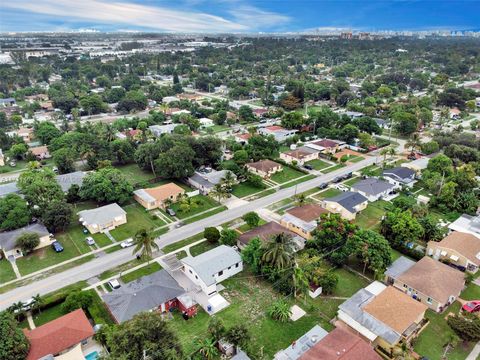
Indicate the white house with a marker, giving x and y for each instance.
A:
(373, 189)
(158, 130)
(400, 176)
(205, 122)
(212, 267)
(279, 133)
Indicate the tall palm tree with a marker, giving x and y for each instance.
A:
(300, 282)
(279, 251)
(384, 151)
(37, 302)
(219, 192)
(144, 244)
(164, 107)
(229, 180)
(414, 142)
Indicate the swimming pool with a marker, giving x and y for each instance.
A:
(92, 356)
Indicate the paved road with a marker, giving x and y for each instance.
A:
(97, 266)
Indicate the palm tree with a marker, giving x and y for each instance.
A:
(207, 348)
(228, 181)
(37, 302)
(300, 199)
(384, 151)
(414, 142)
(219, 192)
(300, 281)
(391, 151)
(17, 309)
(144, 244)
(164, 107)
(279, 251)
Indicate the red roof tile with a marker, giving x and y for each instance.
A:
(58, 335)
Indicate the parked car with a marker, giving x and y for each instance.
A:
(12, 163)
(27, 305)
(57, 246)
(472, 306)
(171, 212)
(114, 284)
(348, 176)
(308, 167)
(337, 179)
(126, 243)
(90, 241)
(85, 230)
(323, 186)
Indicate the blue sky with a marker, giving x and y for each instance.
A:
(237, 15)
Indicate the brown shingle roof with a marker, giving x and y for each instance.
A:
(395, 309)
(326, 143)
(466, 244)
(434, 279)
(163, 192)
(264, 232)
(264, 165)
(298, 153)
(39, 150)
(307, 212)
(341, 344)
(58, 335)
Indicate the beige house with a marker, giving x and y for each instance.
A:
(383, 315)
(8, 239)
(158, 197)
(103, 219)
(302, 220)
(347, 204)
(300, 156)
(41, 152)
(264, 168)
(26, 134)
(431, 282)
(458, 248)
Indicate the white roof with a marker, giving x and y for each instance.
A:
(375, 288)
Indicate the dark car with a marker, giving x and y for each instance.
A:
(337, 179)
(348, 176)
(57, 246)
(308, 167)
(323, 186)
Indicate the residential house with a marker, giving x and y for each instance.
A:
(59, 336)
(373, 189)
(8, 239)
(326, 145)
(243, 138)
(383, 315)
(156, 292)
(347, 204)
(265, 233)
(66, 181)
(302, 345)
(103, 219)
(158, 197)
(399, 176)
(205, 179)
(205, 122)
(26, 134)
(212, 267)
(417, 165)
(300, 156)
(279, 133)
(302, 220)
(7, 102)
(458, 248)
(41, 152)
(169, 99)
(467, 224)
(431, 282)
(264, 168)
(454, 113)
(158, 130)
(129, 134)
(383, 124)
(340, 344)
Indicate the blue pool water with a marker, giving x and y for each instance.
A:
(92, 356)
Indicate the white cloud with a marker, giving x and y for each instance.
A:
(256, 18)
(124, 13)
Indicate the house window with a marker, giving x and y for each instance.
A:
(229, 267)
(405, 286)
(196, 277)
(429, 301)
(220, 273)
(236, 265)
(190, 271)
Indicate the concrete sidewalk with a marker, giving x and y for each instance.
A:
(475, 353)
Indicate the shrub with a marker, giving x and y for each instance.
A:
(280, 311)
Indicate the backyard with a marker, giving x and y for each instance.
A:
(371, 216)
(134, 174)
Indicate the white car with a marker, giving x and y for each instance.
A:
(114, 284)
(90, 241)
(27, 305)
(126, 243)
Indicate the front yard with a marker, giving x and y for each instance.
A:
(244, 189)
(333, 168)
(203, 203)
(287, 174)
(6, 271)
(318, 164)
(137, 218)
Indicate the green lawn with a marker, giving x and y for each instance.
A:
(118, 269)
(172, 247)
(75, 235)
(330, 192)
(249, 298)
(46, 257)
(205, 215)
(201, 248)
(372, 215)
(244, 189)
(472, 292)
(146, 270)
(6, 271)
(298, 181)
(318, 164)
(137, 218)
(333, 168)
(355, 159)
(348, 283)
(352, 181)
(432, 340)
(47, 315)
(285, 175)
(204, 203)
(134, 174)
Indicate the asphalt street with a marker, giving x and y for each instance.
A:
(107, 261)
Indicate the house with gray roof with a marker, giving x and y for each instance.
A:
(347, 204)
(205, 179)
(158, 291)
(103, 218)
(67, 180)
(8, 239)
(158, 130)
(373, 189)
(397, 268)
(400, 176)
(212, 267)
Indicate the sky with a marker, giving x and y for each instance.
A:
(237, 16)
